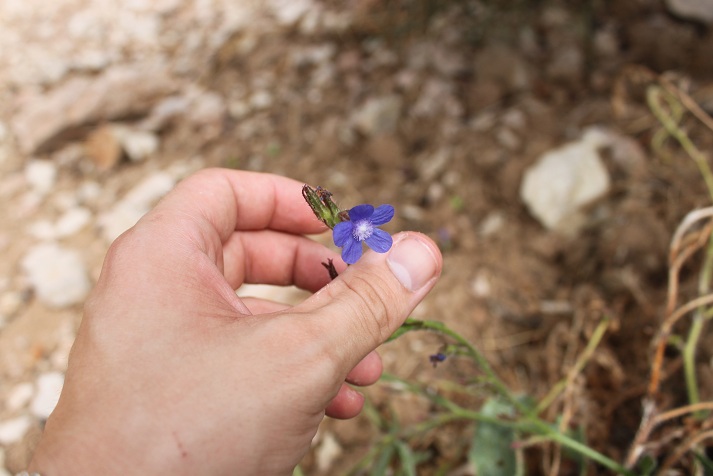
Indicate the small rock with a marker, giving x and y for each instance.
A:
(564, 180)
(41, 175)
(699, 10)
(481, 286)
(103, 147)
(289, 12)
(10, 303)
(19, 396)
(491, 224)
(137, 144)
(261, 100)
(507, 138)
(378, 115)
(208, 110)
(123, 91)
(56, 274)
(42, 230)
(327, 452)
(12, 431)
(434, 165)
(49, 386)
(72, 221)
(88, 192)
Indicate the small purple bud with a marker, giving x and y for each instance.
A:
(435, 359)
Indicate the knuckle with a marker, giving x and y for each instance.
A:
(372, 305)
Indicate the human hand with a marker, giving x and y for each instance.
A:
(172, 373)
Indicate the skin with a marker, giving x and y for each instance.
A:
(172, 373)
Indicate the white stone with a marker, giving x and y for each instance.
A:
(89, 192)
(261, 100)
(491, 224)
(49, 386)
(57, 275)
(72, 221)
(12, 431)
(137, 144)
(42, 230)
(19, 396)
(564, 180)
(41, 175)
(10, 303)
(327, 452)
(150, 190)
(378, 115)
(701, 10)
(288, 12)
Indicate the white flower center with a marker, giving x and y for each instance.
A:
(362, 230)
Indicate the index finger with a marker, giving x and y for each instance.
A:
(233, 200)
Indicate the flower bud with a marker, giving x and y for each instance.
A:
(324, 208)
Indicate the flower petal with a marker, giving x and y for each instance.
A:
(361, 212)
(342, 233)
(351, 251)
(382, 214)
(380, 241)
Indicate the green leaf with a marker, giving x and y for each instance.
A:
(491, 452)
(705, 462)
(646, 466)
(382, 463)
(408, 459)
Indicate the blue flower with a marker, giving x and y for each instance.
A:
(362, 226)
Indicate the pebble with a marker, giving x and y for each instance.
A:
(700, 10)
(41, 175)
(49, 386)
(137, 144)
(19, 396)
(379, 115)
(72, 221)
(12, 431)
(57, 275)
(10, 303)
(327, 452)
(564, 180)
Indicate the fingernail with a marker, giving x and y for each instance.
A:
(412, 262)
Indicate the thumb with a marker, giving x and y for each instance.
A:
(360, 309)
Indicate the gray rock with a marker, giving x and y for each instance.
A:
(120, 92)
(700, 10)
(57, 275)
(564, 180)
(378, 115)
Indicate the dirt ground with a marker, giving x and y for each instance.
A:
(465, 96)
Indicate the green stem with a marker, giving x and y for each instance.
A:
(528, 424)
(491, 377)
(653, 97)
(578, 366)
(694, 334)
